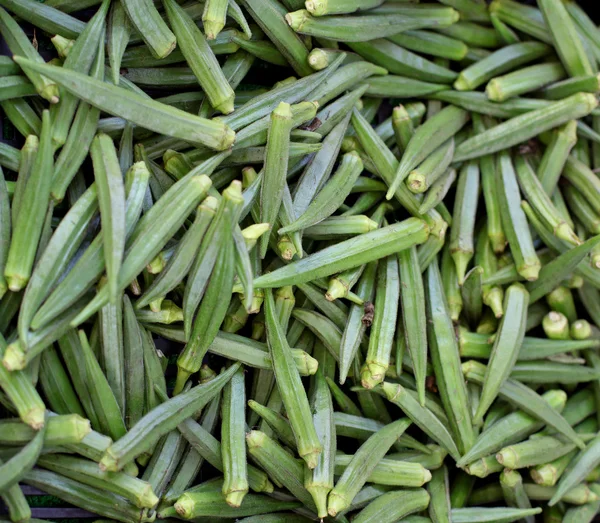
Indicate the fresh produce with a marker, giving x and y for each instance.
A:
(282, 261)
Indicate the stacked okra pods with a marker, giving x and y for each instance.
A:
(369, 231)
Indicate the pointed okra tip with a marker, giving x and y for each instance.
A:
(297, 19)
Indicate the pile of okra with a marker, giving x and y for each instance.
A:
(367, 232)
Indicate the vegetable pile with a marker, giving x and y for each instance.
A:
(379, 274)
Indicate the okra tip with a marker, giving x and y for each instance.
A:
(530, 271)
(185, 506)
(148, 498)
(494, 300)
(316, 7)
(228, 138)
(16, 282)
(564, 232)
(581, 330)
(14, 357)
(336, 503)
(35, 417)
(212, 28)
(297, 19)
(318, 59)
(546, 476)
(335, 290)
(507, 457)
(391, 390)
(372, 375)
(109, 462)
(234, 499)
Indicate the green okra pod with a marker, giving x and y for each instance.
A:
(581, 466)
(514, 221)
(500, 514)
(348, 253)
(566, 40)
(523, 81)
(533, 452)
(501, 61)
(527, 400)
(523, 127)
(368, 26)
(22, 462)
(435, 165)
(22, 116)
(19, 44)
(211, 504)
(384, 322)
(393, 505)
(100, 501)
(426, 139)
(28, 229)
(431, 43)
(320, 480)
(152, 28)
(439, 492)
(330, 7)
(200, 57)
(276, 163)
(421, 416)
(213, 307)
(462, 242)
(60, 430)
(506, 346)
(111, 198)
(179, 201)
(400, 61)
(181, 261)
(363, 462)
(87, 472)
(118, 33)
(271, 17)
(133, 359)
(56, 385)
(80, 58)
(233, 445)
(283, 469)
(279, 425)
(78, 140)
(91, 265)
(446, 361)
(138, 109)
(412, 295)
(357, 323)
(160, 420)
(331, 195)
(288, 381)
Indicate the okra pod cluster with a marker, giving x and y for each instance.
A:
(286, 261)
